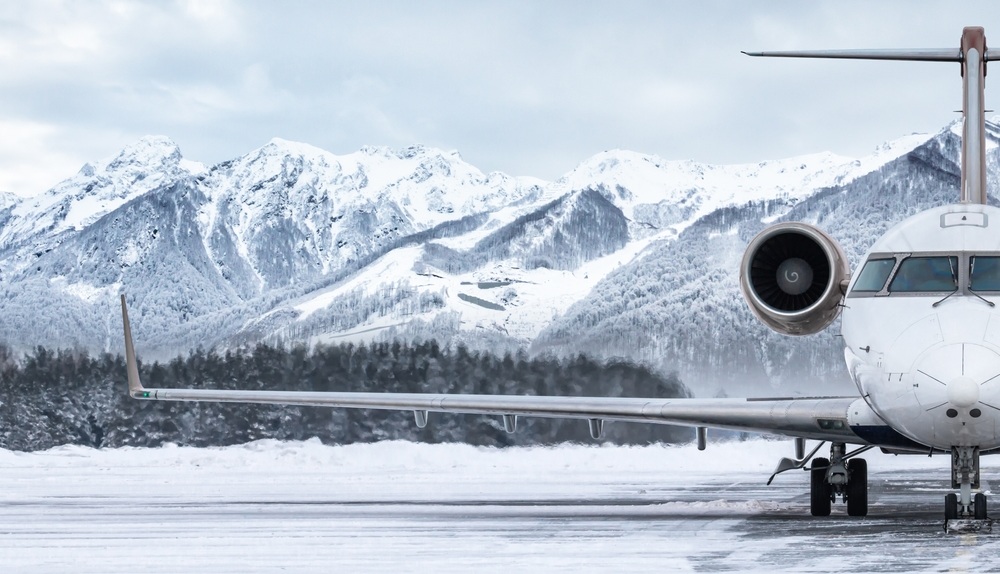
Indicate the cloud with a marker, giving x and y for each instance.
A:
(529, 88)
(30, 157)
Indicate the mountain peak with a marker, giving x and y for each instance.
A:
(149, 152)
(292, 148)
(102, 186)
(139, 167)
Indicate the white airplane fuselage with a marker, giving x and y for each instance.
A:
(928, 361)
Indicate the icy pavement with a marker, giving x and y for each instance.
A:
(403, 507)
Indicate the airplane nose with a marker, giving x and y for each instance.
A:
(958, 376)
(963, 391)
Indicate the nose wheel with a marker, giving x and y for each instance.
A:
(953, 509)
(965, 477)
(950, 506)
(979, 506)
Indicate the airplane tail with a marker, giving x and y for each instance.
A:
(972, 55)
(135, 388)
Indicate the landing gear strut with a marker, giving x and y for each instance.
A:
(840, 475)
(965, 477)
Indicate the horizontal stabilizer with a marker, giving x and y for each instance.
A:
(926, 55)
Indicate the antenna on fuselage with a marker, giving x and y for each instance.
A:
(972, 55)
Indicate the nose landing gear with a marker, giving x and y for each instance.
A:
(964, 512)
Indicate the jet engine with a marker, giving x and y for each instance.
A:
(793, 276)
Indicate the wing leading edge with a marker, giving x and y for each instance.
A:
(824, 418)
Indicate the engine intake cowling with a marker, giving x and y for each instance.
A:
(791, 278)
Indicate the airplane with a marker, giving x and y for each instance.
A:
(920, 327)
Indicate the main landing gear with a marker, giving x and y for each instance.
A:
(965, 477)
(839, 475)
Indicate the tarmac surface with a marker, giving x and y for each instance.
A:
(302, 507)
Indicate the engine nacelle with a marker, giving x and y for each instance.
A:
(793, 277)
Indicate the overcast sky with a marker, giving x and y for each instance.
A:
(523, 87)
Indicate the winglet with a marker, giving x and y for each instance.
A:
(135, 388)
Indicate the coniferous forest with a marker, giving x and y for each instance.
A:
(52, 398)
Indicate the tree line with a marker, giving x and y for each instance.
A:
(66, 396)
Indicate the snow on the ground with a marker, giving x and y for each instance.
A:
(274, 506)
(315, 465)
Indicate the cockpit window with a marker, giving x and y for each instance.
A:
(923, 274)
(874, 274)
(984, 273)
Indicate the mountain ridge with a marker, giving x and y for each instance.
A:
(290, 243)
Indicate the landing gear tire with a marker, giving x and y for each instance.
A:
(820, 492)
(979, 506)
(857, 487)
(950, 506)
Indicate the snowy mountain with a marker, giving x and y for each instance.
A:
(627, 255)
(683, 293)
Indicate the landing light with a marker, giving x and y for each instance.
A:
(831, 424)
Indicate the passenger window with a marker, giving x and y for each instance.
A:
(874, 274)
(926, 274)
(984, 273)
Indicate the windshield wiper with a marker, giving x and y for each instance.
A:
(952, 293)
(954, 281)
(972, 271)
(983, 299)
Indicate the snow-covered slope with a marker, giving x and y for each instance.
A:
(511, 299)
(97, 189)
(292, 211)
(679, 307)
(293, 243)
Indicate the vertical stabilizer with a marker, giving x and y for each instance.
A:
(972, 55)
(973, 116)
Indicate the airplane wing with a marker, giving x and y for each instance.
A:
(825, 418)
